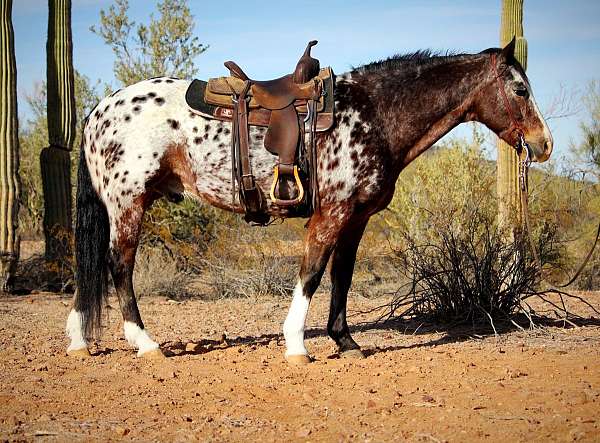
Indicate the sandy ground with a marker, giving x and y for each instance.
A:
(417, 384)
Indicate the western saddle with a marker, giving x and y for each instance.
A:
(284, 106)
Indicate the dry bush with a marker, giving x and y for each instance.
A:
(245, 261)
(37, 273)
(566, 204)
(466, 276)
(377, 269)
(156, 272)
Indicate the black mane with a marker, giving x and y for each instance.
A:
(421, 58)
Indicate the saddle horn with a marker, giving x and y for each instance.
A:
(307, 67)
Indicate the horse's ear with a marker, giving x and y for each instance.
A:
(508, 52)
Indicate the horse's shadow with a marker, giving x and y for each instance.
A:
(452, 333)
(204, 346)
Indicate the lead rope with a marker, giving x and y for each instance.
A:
(524, 186)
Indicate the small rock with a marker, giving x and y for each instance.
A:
(307, 397)
(191, 347)
(122, 431)
(303, 432)
(371, 404)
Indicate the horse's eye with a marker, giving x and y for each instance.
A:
(522, 92)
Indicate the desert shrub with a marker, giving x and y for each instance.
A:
(245, 261)
(466, 275)
(443, 187)
(37, 273)
(156, 273)
(565, 208)
(182, 229)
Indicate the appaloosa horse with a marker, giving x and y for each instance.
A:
(142, 143)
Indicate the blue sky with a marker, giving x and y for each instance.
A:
(266, 38)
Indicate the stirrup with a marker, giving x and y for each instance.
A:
(291, 202)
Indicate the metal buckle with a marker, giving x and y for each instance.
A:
(525, 147)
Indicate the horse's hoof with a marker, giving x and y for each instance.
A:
(154, 354)
(298, 360)
(352, 353)
(79, 353)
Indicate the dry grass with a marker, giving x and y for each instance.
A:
(157, 273)
(252, 262)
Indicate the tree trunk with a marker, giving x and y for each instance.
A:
(509, 203)
(56, 159)
(9, 149)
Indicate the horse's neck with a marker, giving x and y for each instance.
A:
(421, 110)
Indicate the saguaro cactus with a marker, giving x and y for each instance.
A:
(9, 148)
(509, 203)
(56, 159)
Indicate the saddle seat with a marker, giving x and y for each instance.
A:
(281, 92)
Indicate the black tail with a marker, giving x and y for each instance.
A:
(91, 246)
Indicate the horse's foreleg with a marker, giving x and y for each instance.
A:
(317, 249)
(342, 268)
(121, 260)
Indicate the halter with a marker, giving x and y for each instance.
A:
(514, 124)
(521, 146)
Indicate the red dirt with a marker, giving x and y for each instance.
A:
(541, 385)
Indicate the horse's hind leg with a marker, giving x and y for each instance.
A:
(317, 250)
(121, 260)
(342, 268)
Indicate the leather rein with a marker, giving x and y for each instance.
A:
(524, 152)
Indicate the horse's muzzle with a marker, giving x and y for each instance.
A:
(541, 149)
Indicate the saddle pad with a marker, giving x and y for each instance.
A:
(195, 98)
(221, 89)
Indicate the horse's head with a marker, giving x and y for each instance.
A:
(506, 105)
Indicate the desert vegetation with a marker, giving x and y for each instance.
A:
(445, 202)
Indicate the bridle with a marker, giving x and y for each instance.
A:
(514, 124)
(522, 146)
(524, 151)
